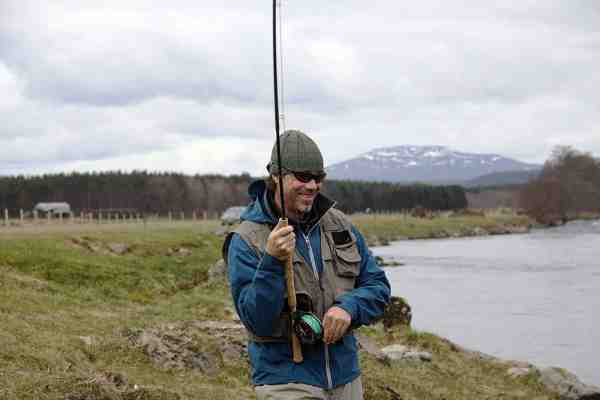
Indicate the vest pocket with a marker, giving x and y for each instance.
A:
(348, 260)
(347, 267)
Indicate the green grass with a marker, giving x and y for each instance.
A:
(56, 294)
(402, 226)
(53, 292)
(452, 374)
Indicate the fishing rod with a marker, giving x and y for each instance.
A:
(289, 266)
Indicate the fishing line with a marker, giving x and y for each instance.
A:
(281, 70)
(276, 100)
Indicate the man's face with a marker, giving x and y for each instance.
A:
(299, 196)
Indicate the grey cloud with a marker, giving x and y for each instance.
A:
(514, 77)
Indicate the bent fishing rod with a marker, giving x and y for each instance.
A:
(289, 266)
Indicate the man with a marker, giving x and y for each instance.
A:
(336, 280)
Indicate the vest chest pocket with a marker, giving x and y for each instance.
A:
(347, 266)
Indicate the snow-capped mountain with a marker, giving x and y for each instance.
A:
(428, 164)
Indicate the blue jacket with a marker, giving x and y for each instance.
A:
(258, 289)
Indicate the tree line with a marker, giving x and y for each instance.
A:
(150, 192)
(568, 184)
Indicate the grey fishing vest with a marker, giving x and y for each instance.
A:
(314, 293)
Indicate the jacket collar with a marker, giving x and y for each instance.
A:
(262, 208)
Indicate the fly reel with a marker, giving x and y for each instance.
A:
(307, 327)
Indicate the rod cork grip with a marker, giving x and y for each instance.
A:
(296, 349)
(291, 289)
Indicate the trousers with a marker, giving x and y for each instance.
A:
(299, 391)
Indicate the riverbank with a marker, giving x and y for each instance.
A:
(131, 315)
(381, 229)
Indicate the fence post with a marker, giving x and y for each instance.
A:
(182, 215)
(60, 217)
(35, 216)
(194, 215)
(48, 217)
(170, 216)
(21, 215)
(204, 215)
(5, 217)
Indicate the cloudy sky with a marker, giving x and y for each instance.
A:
(187, 85)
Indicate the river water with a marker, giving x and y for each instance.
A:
(532, 297)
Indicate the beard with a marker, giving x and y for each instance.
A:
(301, 204)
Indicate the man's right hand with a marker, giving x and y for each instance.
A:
(281, 241)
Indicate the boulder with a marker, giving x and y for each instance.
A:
(118, 248)
(382, 262)
(368, 345)
(567, 385)
(479, 231)
(397, 312)
(174, 349)
(517, 372)
(399, 353)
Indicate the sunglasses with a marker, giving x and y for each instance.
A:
(306, 177)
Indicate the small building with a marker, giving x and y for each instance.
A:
(54, 209)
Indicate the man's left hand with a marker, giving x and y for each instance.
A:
(335, 323)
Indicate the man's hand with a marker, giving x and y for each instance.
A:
(335, 323)
(281, 242)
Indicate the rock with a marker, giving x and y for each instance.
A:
(418, 356)
(118, 248)
(174, 349)
(205, 362)
(397, 312)
(395, 350)
(517, 372)
(499, 230)
(478, 231)
(441, 234)
(202, 345)
(369, 346)
(398, 352)
(179, 251)
(233, 351)
(88, 340)
(218, 271)
(183, 252)
(567, 385)
(382, 262)
(478, 355)
(519, 229)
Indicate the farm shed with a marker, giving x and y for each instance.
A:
(59, 208)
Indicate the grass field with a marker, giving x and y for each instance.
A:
(69, 305)
(389, 227)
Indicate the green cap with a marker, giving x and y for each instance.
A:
(298, 152)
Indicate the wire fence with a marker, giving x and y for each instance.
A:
(23, 218)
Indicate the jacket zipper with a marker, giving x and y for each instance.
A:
(316, 273)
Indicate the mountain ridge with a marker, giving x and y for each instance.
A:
(426, 164)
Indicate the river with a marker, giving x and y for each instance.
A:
(532, 297)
